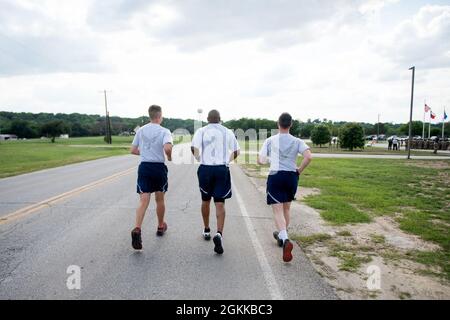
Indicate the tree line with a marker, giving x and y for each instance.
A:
(304, 129)
(34, 125)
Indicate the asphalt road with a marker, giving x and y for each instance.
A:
(90, 228)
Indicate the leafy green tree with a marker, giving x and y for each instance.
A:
(295, 130)
(417, 127)
(321, 135)
(436, 132)
(79, 130)
(53, 129)
(306, 129)
(23, 129)
(351, 136)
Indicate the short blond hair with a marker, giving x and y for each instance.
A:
(154, 112)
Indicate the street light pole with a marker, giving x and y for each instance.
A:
(411, 111)
(378, 129)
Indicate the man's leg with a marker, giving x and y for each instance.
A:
(140, 211)
(220, 214)
(136, 240)
(205, 212)
(160, 208)
(280, 222)
(278, 213)
(286, 213)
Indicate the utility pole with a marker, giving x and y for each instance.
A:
(108, 137)
(411, 111)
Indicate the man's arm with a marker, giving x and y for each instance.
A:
(263, 155)
(135, 150)
(196, 144)
(168, 151)
(196, 153)
(307, 157)
(262, 160)
(234, 155)
(234, 146)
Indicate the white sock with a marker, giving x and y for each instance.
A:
(283, 235)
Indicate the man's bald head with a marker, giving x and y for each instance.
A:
(214, 116)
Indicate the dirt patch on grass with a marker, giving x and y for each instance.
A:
(435, 164)
(348, 259)
(399, 281)
(388, 228)
(302, 193)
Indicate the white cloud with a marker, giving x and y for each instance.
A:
(374, 6)
(423, 40)
(45, 37)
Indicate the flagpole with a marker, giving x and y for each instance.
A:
(424, 113)
(429, 126)
(443, 122)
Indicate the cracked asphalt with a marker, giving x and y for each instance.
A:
(91, 229)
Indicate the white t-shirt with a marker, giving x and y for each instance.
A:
(150, 139)
(215, 143)
(282, 150)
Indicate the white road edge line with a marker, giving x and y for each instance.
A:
(269, 277)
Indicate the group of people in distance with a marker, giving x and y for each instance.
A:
(394, 143)
(215, 147)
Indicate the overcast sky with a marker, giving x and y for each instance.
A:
(334, 59)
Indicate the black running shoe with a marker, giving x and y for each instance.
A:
(287, 250)
(279, 241)
(207, 234)
(161, 230)
(218, 244)
(136, 240)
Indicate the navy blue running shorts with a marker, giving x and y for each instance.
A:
(214, 182)
(282, 187)
(152, 177)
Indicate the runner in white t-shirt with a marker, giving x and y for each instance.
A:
(151, 142)
(281, 151)
(215, 147)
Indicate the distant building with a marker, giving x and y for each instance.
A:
(8, 137)
(64, 136)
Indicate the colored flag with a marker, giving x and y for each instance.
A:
(432, 115)
(445, 116)
(427, 108)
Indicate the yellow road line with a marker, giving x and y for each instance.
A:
(50, 201)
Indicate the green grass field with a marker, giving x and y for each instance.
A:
(17, 157)
(22, 156)
(116, 141)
